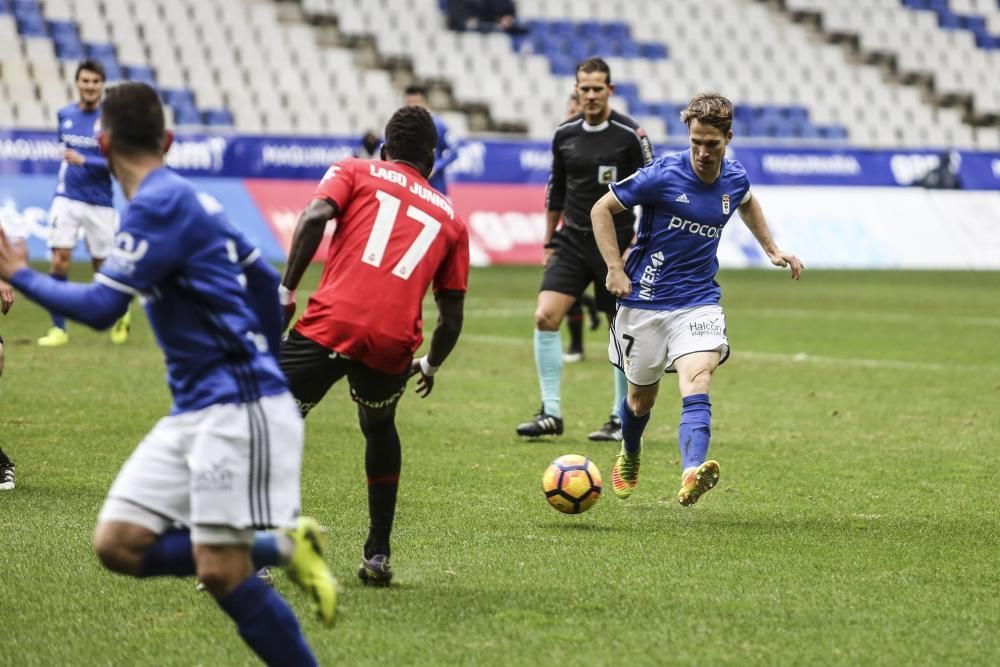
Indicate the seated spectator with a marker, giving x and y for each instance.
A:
(483, 16)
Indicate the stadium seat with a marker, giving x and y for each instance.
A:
(787, 85)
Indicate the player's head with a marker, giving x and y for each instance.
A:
(410, 137)
(709, 117)
(90, 82)
(594, 88)
(370, 142)
(132, 122)
(415, 96)
(573, 104)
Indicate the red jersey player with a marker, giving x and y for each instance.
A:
(395, 236)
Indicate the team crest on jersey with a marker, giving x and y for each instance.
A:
(606, 174)
(725, 204)
(330, 173)
(127, 253)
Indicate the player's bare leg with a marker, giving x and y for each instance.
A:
(120, 546)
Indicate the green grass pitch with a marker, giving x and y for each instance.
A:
(856, 521)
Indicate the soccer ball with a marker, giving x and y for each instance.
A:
(572, 484)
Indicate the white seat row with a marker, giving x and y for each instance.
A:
(216, 49)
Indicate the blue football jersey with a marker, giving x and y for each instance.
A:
(673, 263)
(90, 182)
(445, 152)
(177, 252)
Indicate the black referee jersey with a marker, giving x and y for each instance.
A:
(586, 159)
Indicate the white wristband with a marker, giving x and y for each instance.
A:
(285, 295)
(426, 368)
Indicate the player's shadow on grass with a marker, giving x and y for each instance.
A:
(586, 527)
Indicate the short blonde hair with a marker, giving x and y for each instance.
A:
(710, 109)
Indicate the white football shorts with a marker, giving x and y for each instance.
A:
(646, 343)
(223, 471)
(99, 224)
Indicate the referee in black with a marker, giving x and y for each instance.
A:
(589, 152)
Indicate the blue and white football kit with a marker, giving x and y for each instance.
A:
(227, 458)
(83, 193)
(673, 308)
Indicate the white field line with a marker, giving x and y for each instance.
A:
(776, 313)
(772, 357)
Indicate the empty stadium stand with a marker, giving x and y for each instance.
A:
(878, 73)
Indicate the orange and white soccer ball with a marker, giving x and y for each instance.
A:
(572, 484)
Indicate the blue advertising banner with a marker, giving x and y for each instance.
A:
(498, 161)
(25, 201)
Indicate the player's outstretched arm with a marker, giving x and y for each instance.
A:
(602, 219)
(451, 312)
(95, 305)
(753, 217)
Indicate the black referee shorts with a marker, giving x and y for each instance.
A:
(312, 369)
(576, 262)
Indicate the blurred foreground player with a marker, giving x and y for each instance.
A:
(227, 459)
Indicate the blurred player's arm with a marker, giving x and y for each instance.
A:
(449, 152)
(94, 304)
(305, 241)
(262, 289)
(602, 219)
(77, 158)
(753, 217)
(6, 291)
(6, 297)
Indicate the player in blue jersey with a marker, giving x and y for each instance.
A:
(227, 459)
(83, 194)
(669, 319)
(446, 150)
